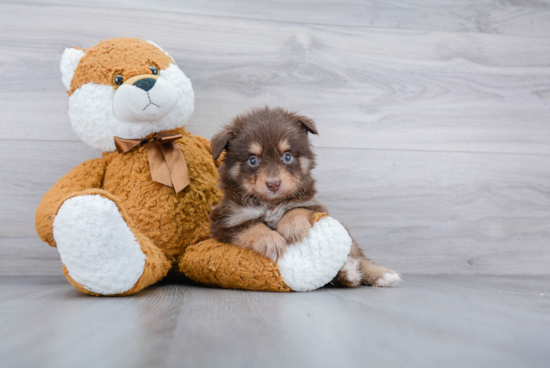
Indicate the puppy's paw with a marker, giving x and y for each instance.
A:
(374, 275)
(350, 274)
(294, 228)
(387, 279)
(270, 245)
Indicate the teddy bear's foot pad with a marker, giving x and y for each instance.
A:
(96, 245)
(315, 261)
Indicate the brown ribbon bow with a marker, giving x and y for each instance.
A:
(166, 160)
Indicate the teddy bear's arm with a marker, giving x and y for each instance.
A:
(88, 175)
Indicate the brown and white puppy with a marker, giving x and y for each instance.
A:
(269, 193)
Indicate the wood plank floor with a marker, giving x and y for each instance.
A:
(428, 321)
(434, 143)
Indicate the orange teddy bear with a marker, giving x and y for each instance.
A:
(123, 221)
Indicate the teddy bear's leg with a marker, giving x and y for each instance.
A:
(218, 264)
(101, 253)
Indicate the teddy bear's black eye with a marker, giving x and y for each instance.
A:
(154, 70)
(118, 80)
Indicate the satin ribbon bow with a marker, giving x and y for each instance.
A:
(166, 160)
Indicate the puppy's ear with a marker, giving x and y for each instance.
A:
(220, 141)
(307, 124)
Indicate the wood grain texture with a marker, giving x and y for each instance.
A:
(442, 212)
(28, 256)
(417, 212)
(366, 88)
(437, 321)
(27, 173)
(525, 18)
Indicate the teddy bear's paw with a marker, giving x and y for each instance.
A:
(96, 245)
(312, 263)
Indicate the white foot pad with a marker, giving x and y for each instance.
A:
(99, 250)
(314, 262)
(387, 279)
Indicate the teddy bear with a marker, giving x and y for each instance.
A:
(126, 220)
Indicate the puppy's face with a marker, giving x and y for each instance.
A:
(268, 154)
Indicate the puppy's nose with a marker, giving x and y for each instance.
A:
(273, 185)
(145, 84)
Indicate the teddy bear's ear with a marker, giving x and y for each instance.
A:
(220, 141)
(69, 61)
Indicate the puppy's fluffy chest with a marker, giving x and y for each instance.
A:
(264, 212)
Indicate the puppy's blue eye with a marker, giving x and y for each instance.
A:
(154, 70)
(253, 161)
(287, 157)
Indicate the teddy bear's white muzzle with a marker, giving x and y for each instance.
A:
(135, 104)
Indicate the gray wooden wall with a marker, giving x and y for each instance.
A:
(434, 116)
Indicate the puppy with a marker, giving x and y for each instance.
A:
(269, 193)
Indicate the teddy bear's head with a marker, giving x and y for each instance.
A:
(124, 87)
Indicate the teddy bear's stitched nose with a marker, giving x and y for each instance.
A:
(145, 84)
